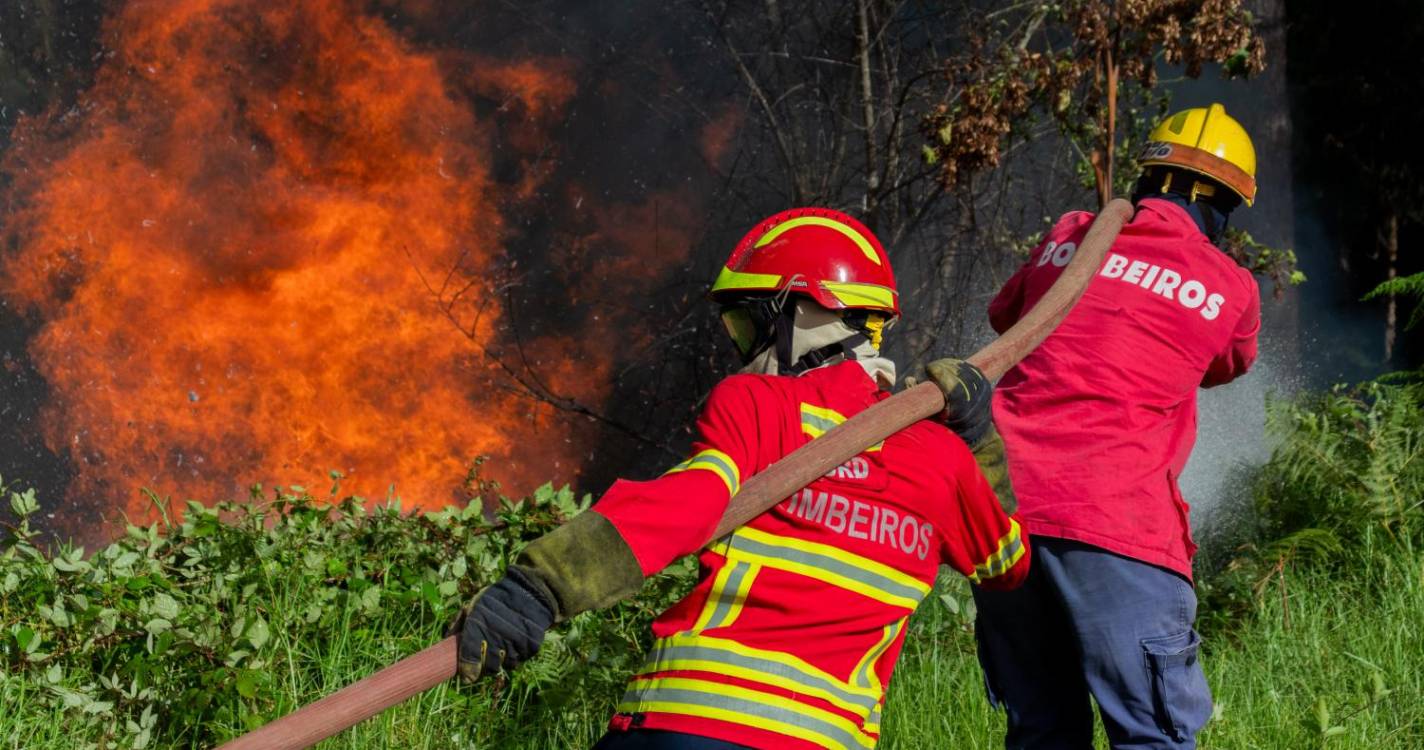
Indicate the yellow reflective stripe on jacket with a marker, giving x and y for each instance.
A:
(872, 725)
(728, 594)
(828, 564)
(859, 294)
(727, 657)
(818, 420)
(822, 221)
(865, 676)
(740, 705)
(1009, 551)
(716, 462)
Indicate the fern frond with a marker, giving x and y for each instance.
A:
(1345, 460)
(1311, 543)
(1403, 286)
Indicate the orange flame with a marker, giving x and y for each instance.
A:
(232, 243)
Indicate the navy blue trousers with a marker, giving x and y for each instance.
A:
(1086, 623)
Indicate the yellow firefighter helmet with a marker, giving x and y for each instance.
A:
(1209, 142)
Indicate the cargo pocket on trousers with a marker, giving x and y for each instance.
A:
(1181, 700)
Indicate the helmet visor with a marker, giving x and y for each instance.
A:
(743, 330)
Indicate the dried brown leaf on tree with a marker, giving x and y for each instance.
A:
(1021, 66)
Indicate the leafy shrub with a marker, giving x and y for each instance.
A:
(1280, 266)
(1350, 464)
(1343, 491)
(176, 634)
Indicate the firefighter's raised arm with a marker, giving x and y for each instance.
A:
(603, 555)
(675, 514)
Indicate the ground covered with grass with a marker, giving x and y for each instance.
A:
(185, 633)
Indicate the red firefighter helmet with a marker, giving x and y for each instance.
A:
(823, 254)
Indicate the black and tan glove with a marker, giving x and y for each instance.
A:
(582, 565)
(503, 626)
(968, 397)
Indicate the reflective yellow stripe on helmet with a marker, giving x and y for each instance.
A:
(729, 280)
(821, 221)
(856, 294)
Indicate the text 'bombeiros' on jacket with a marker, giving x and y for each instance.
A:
(792, 632)
(1098, 421)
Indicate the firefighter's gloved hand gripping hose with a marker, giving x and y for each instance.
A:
(436, 664)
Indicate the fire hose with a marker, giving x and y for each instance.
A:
(426, 669)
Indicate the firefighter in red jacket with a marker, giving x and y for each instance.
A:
(791, 634)
(1098, 423)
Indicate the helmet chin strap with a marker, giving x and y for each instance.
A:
(798, 348)
(844, 349)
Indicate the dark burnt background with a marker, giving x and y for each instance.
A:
(660, 120)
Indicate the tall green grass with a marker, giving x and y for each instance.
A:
(1327, 661)
(1268, 677)
(1352, 643)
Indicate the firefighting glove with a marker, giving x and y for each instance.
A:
(989, 454)
(584, 564)
(503, 626)
(967, 395)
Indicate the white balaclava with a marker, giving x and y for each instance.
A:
(817, 327)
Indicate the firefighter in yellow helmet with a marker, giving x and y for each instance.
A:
(1098, 423)
(1202, 160)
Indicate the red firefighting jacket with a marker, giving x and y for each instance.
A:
(790, 636)
(1099, 420)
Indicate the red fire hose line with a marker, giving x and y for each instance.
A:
(426, 669)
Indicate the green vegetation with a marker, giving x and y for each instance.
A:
(184, 633)
(1404, 286)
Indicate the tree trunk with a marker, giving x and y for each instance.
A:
(1105, 184)
(1391, 250)
(867, 98)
